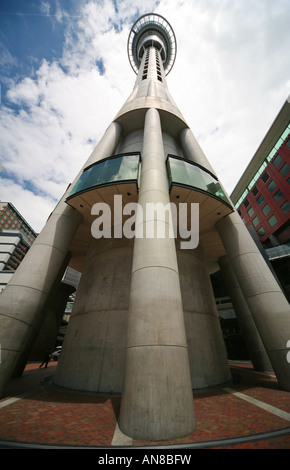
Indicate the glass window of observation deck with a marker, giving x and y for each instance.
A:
(109, 171)
(185, 173)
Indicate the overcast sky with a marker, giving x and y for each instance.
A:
(65, 75)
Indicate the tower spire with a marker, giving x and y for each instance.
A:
(152, 30)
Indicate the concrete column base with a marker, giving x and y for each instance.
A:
(156, 412)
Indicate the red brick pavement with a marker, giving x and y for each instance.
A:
(54, 417)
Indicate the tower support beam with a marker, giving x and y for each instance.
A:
(23, 299)
(193, 150)
(266, 301)
(157, 401)
(250, 333)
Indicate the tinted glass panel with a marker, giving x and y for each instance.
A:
(261, 232)
(286, 207)
(277, 161)
(123, 168)
(278, 196)
(271, 186)
(272, 221)
(251, 212)
(264, 177)
(285, 169)
(255, 191)
(256, 221)
(266, 209)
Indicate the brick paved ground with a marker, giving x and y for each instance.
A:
(48, 416)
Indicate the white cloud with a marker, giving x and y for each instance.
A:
(45, 7)
(230, 79)
(234, 78)
(32, 207)
(6, 59)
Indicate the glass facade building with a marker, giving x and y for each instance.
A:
(11, 219)
(265, 203)
(16, 238)
(262, 197)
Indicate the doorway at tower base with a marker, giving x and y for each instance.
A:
(206, 347)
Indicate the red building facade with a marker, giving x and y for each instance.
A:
(262, 196)
(267, 205)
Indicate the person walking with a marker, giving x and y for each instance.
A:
(45, 360)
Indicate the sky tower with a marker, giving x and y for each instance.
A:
(146, 221)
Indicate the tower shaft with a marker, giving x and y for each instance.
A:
(157, 368)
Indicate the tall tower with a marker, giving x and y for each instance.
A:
(145, 323)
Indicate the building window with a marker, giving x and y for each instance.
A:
(286, 207)
(251, 212)
(246, 202)
(256, 221)
(278, 196)
(265, 177)
(272, 221)
(266, 209)
(261, 232)
(255, 191)
(285, 169)
(260, 200)
(271, 186)
(277, 161)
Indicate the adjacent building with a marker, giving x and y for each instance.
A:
(262, 196)
(16, 237)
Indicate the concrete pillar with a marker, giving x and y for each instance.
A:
(106, 145)
(250, 333)
(93, 353)
(206, 347)
(157, 401)
(193, 151)
(268, 305)
(37, 324)
(23, 299)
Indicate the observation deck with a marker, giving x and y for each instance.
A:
(152, 30)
